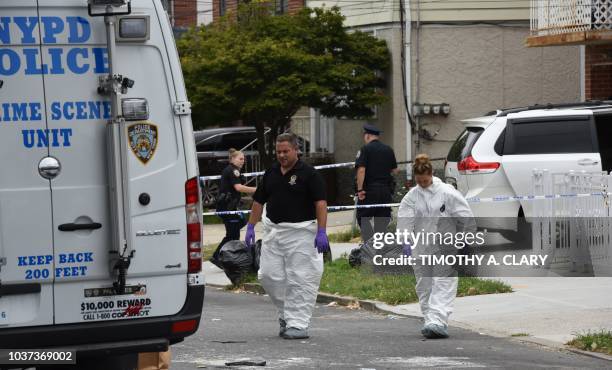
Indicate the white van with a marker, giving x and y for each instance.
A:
(100, 215)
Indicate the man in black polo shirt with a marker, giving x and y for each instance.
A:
(291, 261)
(375, 166)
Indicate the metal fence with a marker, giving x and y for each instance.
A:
(572, 224)
(554, 17)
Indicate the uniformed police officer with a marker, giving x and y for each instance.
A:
(291, 262)
(229, 198)
(375, 166)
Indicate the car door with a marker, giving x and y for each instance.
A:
(26, 239)
(557, 143)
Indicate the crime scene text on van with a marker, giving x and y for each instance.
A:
(64, 52)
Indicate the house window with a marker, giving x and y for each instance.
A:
(282, 6)
(222, 8)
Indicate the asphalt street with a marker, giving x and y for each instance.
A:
(240, 325)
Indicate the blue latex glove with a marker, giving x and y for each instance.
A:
(407, 249)
(249, 238)
(321, 242)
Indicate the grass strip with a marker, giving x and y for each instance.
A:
(594, 341)
(342, 279)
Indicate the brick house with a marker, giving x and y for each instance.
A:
(586, 23)
(222, 7)
(187, 13)
(598, 72)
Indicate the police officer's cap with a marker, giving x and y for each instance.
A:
(369, 128)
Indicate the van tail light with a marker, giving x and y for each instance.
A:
(469, 166)
(194, 229)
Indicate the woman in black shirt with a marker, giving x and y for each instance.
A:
(229, 197)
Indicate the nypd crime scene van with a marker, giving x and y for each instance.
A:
(100, 215)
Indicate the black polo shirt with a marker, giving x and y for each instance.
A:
(230, 177)
(378, 160)
(291, 197)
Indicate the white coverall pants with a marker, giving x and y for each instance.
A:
(290, 269)
(436, 288)
(439, 208)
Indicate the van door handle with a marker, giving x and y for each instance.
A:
(73, 227)
(587, 162)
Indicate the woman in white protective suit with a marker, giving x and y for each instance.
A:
(433, 209)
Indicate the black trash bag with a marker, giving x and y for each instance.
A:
(236, 260)
(355, 257)
(256, 253)
(364, 256)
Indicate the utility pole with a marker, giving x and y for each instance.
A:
(407, 26)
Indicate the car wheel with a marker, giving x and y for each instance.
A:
(210, 193)
(523, 234)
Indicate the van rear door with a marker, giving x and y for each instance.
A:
(557, 143)
(26, 239)
(74, 48)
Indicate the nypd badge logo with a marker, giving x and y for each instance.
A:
(292, 180)
(236, 173)
(143, 140)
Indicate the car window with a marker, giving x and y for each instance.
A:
(462, 147)
(499, 143)
(550, 137)
(209, 144)
(237, 140)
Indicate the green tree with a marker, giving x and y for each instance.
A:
(260, 69)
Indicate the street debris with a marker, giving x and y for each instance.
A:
(353, 305)
(247, 362)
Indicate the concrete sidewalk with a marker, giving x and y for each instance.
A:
(550, 310)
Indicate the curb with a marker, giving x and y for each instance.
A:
(375, 306)
(326, 298)
(601, 356)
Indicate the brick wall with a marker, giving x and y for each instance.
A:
(185, 13)
(598, 72)
(294, 6)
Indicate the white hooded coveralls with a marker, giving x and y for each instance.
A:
(435, 209)
(290, 269)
